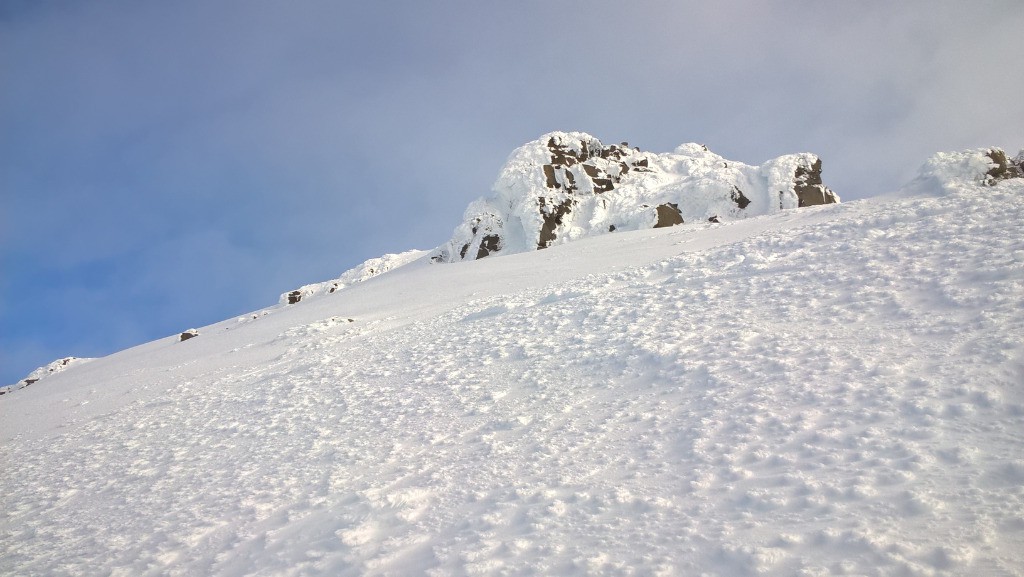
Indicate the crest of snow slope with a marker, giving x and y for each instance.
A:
(364, 271)
(566, 186)
(731, 399)
(43, 372)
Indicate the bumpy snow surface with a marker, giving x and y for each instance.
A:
(828, 391)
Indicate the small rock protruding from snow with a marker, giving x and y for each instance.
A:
(188, 335)
(44, 371)
(568, 185)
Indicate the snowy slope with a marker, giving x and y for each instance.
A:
(834, 390)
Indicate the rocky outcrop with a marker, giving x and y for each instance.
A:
(949, 171)
(809, 189)
(565, 186)
(1003, 168)
(37, 375)
(668, 215)
(191, 333)
(369, 269)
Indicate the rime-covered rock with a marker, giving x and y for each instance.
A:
(565, 186)
(948, 170)
(364, 271)
(1002, 168)
(44, 371)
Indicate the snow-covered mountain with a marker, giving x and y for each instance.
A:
(834, 390)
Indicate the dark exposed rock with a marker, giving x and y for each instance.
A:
(668, 215)
(188, 335)
(488, 244)
(714, 219)
(1004, 168)
(611, 228)
(602, 185)
(294, 297)
(552, 215)
(808, 186)
(557, 176)
(564, 156)
(570, 181)
(738, 197)
(549, 177)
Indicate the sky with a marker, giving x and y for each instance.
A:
(166, 165)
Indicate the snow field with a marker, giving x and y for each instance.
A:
(835, 392)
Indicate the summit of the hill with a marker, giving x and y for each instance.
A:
(569, 185)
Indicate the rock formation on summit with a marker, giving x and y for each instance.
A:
(566, 186)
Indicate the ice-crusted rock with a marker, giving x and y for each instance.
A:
(44, 371)
(568, 185)
(947, 171)
(364, 271)
(1001, 168)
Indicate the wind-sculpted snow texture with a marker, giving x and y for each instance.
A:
(566, 186)
(829, 391)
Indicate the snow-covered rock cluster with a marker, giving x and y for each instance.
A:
(945, 171)
(364, 271)
(565, 186)
(42, 372)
